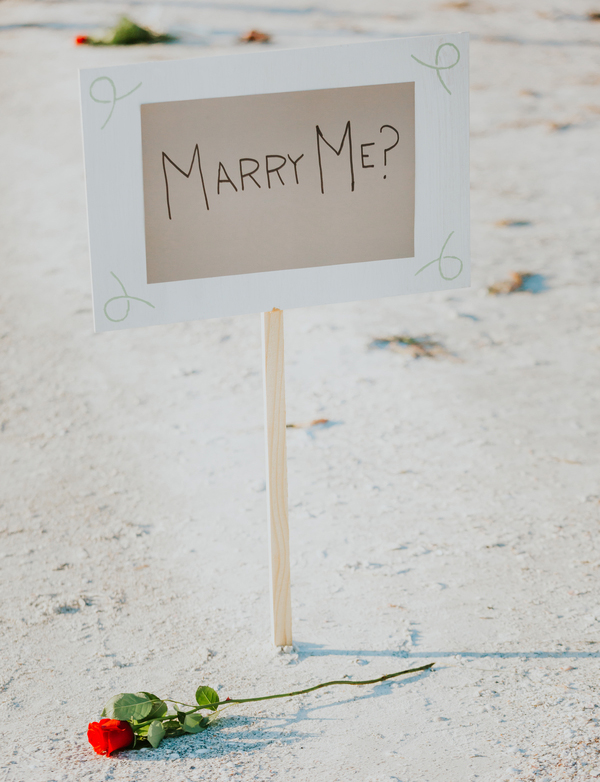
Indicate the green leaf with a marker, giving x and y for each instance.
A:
(159, 707)
(127, 33)
(142, 731)
(128, 706)
(205, 697)
(194, 723)
(156, 733)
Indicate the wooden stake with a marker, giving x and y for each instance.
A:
(277, 489)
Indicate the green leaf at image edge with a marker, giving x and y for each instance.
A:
(156, 733)
(205, 697)
(128, 706)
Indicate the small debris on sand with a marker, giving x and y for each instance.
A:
(458, 5)
(560, 126)
(255, 36)
(512, 223)
(417, 347)
(125, 33)
(515, 282)
(316, 422)
(594, 16)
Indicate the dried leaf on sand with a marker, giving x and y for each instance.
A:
(515, 282)
(512, 223)
(317, 422)
(458, 5)
(417, 347)
(255, 36)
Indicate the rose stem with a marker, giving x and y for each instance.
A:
(309, 689)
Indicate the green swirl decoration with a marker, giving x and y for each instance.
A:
(441, 257)
(114, 97)
(437, 67)
(125, 297)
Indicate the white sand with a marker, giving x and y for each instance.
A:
(450, 515)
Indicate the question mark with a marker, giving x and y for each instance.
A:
(388, 149)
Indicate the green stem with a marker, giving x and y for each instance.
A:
(229, 701)
(168, 700)
(328, 684)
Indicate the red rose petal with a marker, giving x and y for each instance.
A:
(108, 736)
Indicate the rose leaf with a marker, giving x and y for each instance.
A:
(159, 707)
(128, 706)
(194, 723)
(156, 733)
(206, 697)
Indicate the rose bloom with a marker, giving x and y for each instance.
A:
(108, 735)
(79, 40)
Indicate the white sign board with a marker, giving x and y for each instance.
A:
(234, 184)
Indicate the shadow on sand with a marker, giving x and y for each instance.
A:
(319, 650)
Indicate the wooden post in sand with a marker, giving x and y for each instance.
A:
(277, 488)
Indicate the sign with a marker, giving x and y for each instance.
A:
(289, 180)
(256, 183)
(234, 184)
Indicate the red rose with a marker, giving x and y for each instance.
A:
(108, 735)
(79, 40)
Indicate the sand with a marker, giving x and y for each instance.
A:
(449, 513)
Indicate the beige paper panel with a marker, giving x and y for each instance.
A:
(255, 183)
